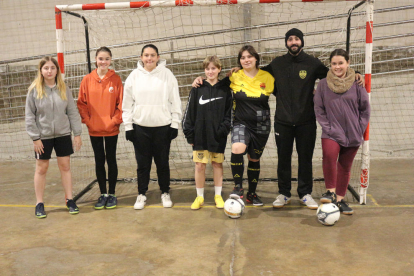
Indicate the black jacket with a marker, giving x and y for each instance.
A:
(295, 78)
(207, 118)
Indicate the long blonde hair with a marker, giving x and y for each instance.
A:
(39, 82)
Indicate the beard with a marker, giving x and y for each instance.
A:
(295, 52)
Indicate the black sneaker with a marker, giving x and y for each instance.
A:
(40, 210)
(101, 202)
(71, 205)
(344, 208)
(254, 199)
(237, 192)
(111, 203)
(328, 197)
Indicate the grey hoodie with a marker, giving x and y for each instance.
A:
(51, 117)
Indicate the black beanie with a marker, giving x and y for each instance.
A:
(295, 32)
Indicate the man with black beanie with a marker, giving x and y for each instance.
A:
(295, 74)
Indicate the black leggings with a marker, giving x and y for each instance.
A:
(104, 148)
(152, 142)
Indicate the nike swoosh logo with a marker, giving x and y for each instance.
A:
(201, 101)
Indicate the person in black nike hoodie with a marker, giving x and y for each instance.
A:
(206, 124)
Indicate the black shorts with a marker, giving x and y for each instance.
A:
(255, 142)
(62, 145)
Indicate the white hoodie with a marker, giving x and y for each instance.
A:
(151, 99)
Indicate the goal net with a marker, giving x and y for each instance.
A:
(187, 32)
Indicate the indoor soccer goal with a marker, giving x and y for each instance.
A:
(186, 32)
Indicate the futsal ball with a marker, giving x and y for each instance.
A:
(328, 214)
(234, 207)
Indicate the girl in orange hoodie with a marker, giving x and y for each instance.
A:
(100, 106)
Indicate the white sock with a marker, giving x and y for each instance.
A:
(200, 192)
(217, 190)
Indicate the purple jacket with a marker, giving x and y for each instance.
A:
(343, 117)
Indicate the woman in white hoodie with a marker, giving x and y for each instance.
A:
(151, 112)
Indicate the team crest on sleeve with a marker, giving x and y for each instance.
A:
(263, 86)
(302, 74)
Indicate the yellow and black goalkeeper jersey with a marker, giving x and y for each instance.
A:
(251, 100)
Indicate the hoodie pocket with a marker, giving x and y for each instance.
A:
(152, 115)
(101, 125)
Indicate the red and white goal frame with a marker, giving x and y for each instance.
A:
(364, 174)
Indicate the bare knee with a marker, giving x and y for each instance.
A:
(217, 165)
(42, 166)
(238, 148)
(200, 167)
(64, 164)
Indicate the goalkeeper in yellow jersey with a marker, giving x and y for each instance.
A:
(251, 121)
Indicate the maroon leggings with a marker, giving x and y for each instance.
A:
(337, 164)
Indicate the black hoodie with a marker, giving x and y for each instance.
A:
(207, 118)
(295, 78)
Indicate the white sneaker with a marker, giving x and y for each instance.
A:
(309, 202)
(281, 201)
(140, 203)
(166, 200)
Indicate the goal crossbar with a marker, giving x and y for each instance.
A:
(174, 3)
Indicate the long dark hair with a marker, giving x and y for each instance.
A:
(251, 51)
(339, 52)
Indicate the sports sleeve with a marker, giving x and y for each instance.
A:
(30, 117)
(320, 111)
(321, 70)
(73, 114)
(82, 102)
(188, 122)
(128, 103)
(268, 68)
(175, 102)
(224, 127)
(117, 116)
(226, 81)
(364, 108)
(270, 84)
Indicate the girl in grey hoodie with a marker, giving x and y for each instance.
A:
(51, 117)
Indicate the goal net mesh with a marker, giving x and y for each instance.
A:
(185, 35)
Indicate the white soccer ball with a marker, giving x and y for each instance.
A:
(234, 207)
(328, 214)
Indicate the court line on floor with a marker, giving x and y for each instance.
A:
(204, 207)
(373, 200)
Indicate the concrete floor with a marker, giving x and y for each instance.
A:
(377, 240)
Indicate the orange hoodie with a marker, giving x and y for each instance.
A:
(100, 103)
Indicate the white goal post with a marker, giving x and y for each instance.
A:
(187, 31)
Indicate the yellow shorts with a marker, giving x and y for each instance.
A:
(204, 156)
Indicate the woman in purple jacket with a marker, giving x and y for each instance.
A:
(342, 109)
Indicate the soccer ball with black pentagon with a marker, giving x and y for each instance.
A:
(234, 207)
(328, 214)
